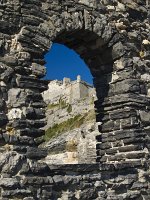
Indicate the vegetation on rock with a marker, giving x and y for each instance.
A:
(69, 124)
(52, 106)
(61, 105)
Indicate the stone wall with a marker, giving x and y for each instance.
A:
(113, 39)
(85, 182)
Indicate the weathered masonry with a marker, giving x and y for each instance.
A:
(113, 38)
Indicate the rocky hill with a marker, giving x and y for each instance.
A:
(71, 128)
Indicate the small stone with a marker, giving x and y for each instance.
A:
(111, 8)
(120, 7)
(119, 64)
(120, 26)
(38, 70)
(15, 113)
(2, 83)
(146, 42)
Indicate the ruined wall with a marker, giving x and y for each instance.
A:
(113, 39)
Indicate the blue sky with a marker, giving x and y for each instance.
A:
(63, 62)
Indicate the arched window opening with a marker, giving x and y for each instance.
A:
(71, 122)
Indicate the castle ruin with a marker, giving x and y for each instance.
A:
(68, 91)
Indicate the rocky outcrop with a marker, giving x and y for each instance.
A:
(73, 147)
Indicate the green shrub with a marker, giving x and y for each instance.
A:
(63, 127)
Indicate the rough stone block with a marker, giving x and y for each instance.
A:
(3, 119)
(145, 117)
(31, 83)
(36, 153)
(9, 183)
(38, 70)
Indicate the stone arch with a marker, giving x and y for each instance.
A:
(27, 29)
(97, 52)
(90, 35)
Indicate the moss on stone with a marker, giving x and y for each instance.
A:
(51, 106)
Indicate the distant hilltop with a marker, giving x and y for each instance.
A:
(68, 90)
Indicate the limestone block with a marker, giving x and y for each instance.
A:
(87, 20)
(113, 78)
(2, 83)
(38, 70)
(9, 60)
(118, 50)
(62, 158)
(31, 82)
(13, 163)
(31, 132)
(145, 77)
(119, 64)
(36, 153)
(9, 183)
(146, 42)
(145, 117)
(111, 8)
(16, 192)
(6, 137)
(16, 96)
(4, 157)
(15, 113)
(99, 25)
(126, 86)
(120, 7)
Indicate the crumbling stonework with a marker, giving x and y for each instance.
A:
(113, 39)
